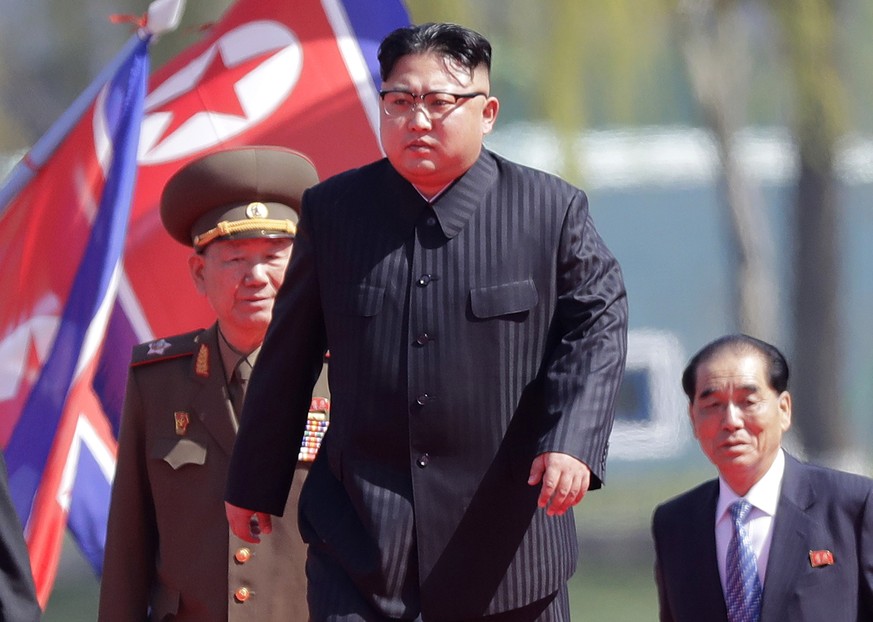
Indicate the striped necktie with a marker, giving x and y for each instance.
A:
(743, 596)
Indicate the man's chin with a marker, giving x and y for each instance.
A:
(732, 454)
(256, 319)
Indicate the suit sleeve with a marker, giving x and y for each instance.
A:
(131, 533)
(865, 558)
(17, 593)
(280, 389)
(584, 374)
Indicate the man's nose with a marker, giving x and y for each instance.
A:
(419, 118)
(733, 416)
(256, 273)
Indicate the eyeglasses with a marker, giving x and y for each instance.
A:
(435, 104)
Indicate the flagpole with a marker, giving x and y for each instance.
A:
(163, 16)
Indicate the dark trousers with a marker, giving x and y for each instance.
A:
(336, 599)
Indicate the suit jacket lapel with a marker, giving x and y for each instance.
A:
(210, 401)
(787, 557)
(708, 591)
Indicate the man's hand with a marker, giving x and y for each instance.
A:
(565, 481)
(246, 524)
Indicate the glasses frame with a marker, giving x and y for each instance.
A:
(418, 102)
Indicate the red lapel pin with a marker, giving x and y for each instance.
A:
(821, 558)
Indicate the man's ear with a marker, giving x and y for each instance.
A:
(196, 266)
(489, 114)
(785, 409)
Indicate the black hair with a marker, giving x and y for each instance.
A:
(776, 365)
(462, 45)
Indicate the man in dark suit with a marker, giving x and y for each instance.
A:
(169, 552)
(477, 331)
(17, 595)
(804, 551)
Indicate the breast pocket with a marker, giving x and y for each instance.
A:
(361, 300)
(503, 300)
(177, 452)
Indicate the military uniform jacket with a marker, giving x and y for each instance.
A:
(466, 337)
(169, 549)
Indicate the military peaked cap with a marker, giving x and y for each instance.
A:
(237, 193)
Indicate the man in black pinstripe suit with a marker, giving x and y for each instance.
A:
(477, 331)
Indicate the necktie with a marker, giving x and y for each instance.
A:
(238, 384)
(743, 586)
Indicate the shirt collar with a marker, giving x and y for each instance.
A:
(763, 496)
(230, 356)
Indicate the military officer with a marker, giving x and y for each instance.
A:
(169, 552)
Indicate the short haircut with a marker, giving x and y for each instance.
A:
(462, 45)
(776, 366)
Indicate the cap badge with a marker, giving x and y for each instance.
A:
(818, 559)
(158, 347)
(182, 420)
(256, 210)
(201, 367)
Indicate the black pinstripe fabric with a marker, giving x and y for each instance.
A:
(466, 338)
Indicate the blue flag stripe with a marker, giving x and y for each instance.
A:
(370, 27)
(28, 449)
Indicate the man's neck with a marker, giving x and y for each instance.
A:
(742, 483)
(430, 197)
(242, 344)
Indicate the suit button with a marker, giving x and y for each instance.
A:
(242, 595)
(423, 339)
(424, 280)
(422, 461)
(431, 221)
(243, 554)
(423, 399)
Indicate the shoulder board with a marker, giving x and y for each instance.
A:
(165, 348)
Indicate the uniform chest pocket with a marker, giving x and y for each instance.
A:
(503, 299)
(361, 300)
(177, 452)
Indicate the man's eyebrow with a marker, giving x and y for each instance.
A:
(706, 393)
(744, 388)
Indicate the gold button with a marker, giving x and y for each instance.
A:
(242, 594)
(243, 554)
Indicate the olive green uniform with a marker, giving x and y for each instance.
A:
(169, 549)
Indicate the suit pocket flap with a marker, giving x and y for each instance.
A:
(362, 300)
(503, 299)
(179, 452)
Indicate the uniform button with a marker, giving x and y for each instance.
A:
(423, 399)
(423, 339)
(242, 595)
(431, 221)
(243, 554)
(422, 461)
(424, 280)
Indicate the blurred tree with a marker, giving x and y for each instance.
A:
(459, 11)
(43, 74)
(715, 36)
(819, 122)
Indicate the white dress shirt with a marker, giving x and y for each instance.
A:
(764, 497)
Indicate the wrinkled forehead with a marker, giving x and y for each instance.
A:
(731, 370)
(237, 246)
